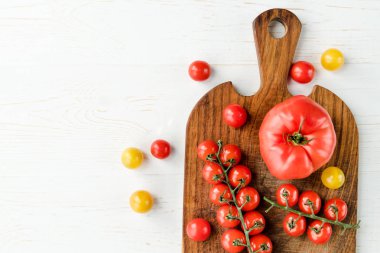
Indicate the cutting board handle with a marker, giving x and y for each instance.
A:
(275, 55)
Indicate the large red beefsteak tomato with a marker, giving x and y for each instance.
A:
(297, 137)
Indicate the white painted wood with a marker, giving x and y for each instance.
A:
(81, 80)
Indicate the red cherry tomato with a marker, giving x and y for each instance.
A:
(262, 243)
(219, 192)
(302, 72)
(198, 230)
(334, 207)
(294, 225)
(310, 202)
(160, 149)
(234, 115)
(206, 148)
(225, 216)
(212, 173)
(318, 234)
(254, 219)
(232, 237)
(239, 174)
(199, 71)
(229, 152)
(249, 196)
(287, 192)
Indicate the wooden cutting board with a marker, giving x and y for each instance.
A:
(205, 122)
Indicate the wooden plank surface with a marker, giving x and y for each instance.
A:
(205, 122)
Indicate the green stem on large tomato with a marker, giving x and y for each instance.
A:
(233, 193)
(297, 138)
(311, 216)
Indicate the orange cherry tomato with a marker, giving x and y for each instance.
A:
(332, 59)
(141, 201)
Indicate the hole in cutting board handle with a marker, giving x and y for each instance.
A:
(277, 28)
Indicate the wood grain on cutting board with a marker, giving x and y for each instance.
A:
(205, 122)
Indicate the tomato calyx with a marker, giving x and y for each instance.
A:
(310, 203)
(285, 195)
(247, 199)
(229, 216)
(213, 158)
(292, 223)
(241, 181)
(263, 247)
(217, 177)
(335, 210)
(297, 139)
(238, 242)
(317, 230)
(222, 199)
(256, 225)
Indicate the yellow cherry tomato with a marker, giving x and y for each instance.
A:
(141, 201)
(132, 158)
(332, 59)
(333, 177)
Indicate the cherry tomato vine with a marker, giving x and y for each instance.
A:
(226, 166)
(312, 216)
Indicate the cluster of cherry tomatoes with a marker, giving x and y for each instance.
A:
(142, 201)
(309, 203)
(303, 72)
(227, 215)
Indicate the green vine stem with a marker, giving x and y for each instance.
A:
(215, 158)
(312, 216)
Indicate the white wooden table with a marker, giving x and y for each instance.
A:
(81, 80)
